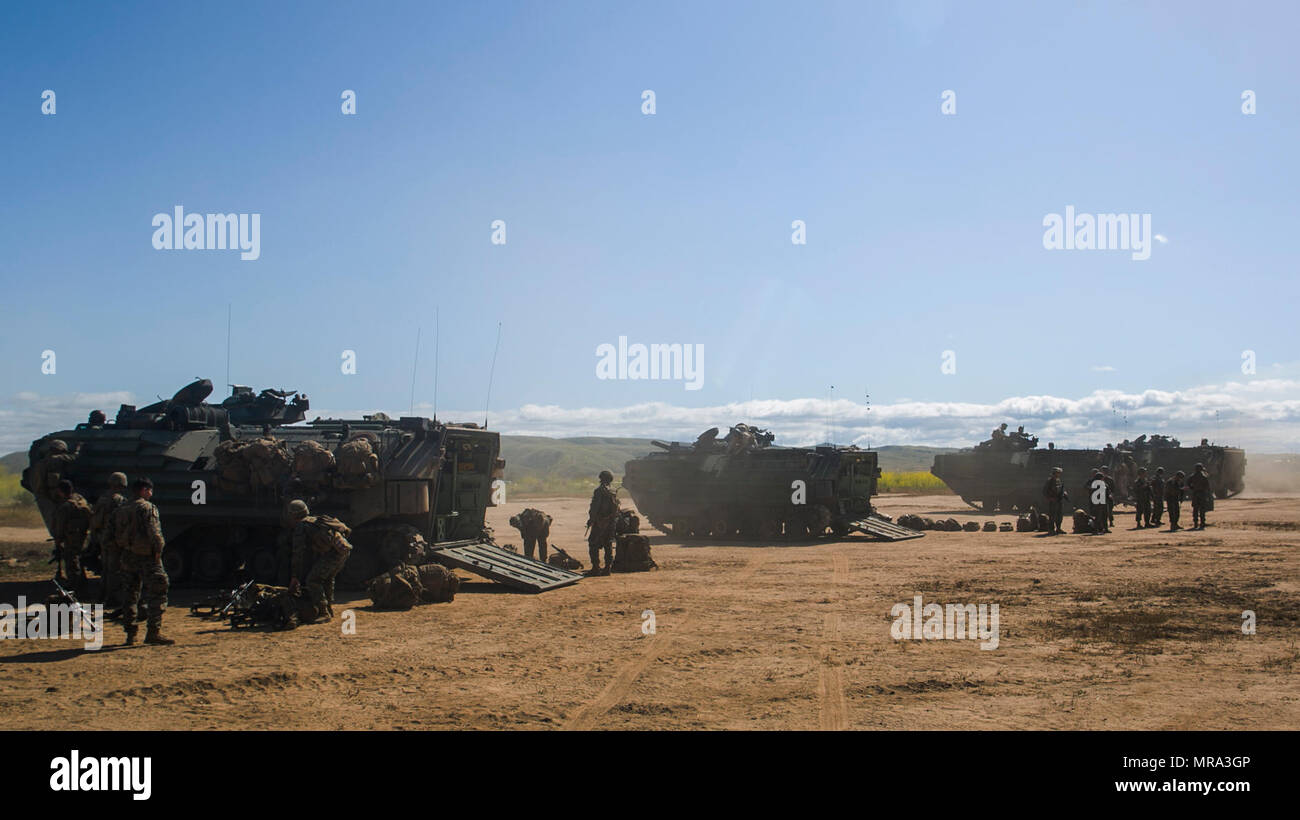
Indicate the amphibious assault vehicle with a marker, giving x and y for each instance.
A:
(1007, 472)
(223, 475)
(742, 486)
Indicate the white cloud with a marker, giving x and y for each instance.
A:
(1161, 238)
(1260, 414)
(1103, 368)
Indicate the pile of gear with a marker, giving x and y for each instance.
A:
(263, 605)
(631, 549)
(918, 522)
(263, 464)
(404, 586)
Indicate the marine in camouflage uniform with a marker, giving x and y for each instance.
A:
(600, 517)
(535, 527)
(1174, 498)
(103, 517)
(70, 528)
(1142, 498)
(1055, 494)
(1198, 484)
(1100, 512)
(331, 550)
(1157, 496)
(138, 532)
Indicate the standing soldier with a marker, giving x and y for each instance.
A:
(138, 533)
(1099, 502)
(1054, 492)
(1158, 497)
(102, 518)
(535, 527)
(1202, 495)
(1110, 497)
(600, 517)
(1142, 498)
(1173, 498)
(326, 538)
(71, 525)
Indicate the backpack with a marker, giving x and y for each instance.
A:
(440, 584)
(399, 588)
(328, 534)
(356, 463)
(633, 554)
(312, 462)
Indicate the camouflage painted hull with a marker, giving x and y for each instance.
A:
(1006, 480)
(752, 495)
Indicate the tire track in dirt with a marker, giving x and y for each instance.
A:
(833, 713)
(619, 688)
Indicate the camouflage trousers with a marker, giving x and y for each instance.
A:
(1055, 514)
(71, 559)
(1157, 510)
(1143, 512)
(1200, 505)
(602, 536)
(531, 542)
(1175, 509)
(320, 578)
(142, 573)
(111, 557)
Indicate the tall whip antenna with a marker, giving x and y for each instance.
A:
(437, 337)
(415, 366)
(491, 375)
(229, 310)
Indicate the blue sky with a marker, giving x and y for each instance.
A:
(924, 231)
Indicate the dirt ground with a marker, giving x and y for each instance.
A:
(1134, 630)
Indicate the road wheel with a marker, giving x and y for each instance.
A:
(211, 565)
(769, 529)
(720, 526)
(176, 564)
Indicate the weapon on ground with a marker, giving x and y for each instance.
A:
(234, 598)
(222, 604)
(71, 600)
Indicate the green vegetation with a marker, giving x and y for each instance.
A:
(17, 506)
(11, 493)
(917, 483)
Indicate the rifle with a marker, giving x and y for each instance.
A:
(234, 598)
(71, 600)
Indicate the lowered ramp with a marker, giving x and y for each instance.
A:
(504, 567)
(883, 530)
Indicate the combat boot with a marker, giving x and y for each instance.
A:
(130, 636)
(155, 637)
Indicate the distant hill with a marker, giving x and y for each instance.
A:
(14, 462)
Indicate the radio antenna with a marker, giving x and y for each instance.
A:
(415, 366)
(229, 310)
(437, 337)
(491, 375)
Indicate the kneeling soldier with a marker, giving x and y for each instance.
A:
(325, 537)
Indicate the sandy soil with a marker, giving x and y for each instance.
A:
(1136, 630)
